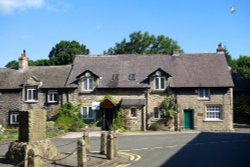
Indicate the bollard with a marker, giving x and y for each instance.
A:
(110, 147)
(115, 144)
(31, 162)
(85, 137)
(81, 153)
(103, 147)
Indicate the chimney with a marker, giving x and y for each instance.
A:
(23, 61)
(220, 49)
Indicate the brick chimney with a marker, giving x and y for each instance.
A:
(220, 49)
(23, 61)
(176, 52)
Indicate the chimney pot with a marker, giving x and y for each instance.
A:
(220, 49)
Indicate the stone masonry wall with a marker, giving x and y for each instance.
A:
(187, 99)
(87, 98)
(133, 123)
(10, 100)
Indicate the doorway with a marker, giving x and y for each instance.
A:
(188, 119)
(108, 114)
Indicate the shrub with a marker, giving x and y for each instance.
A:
(118, 122)
(68, 119)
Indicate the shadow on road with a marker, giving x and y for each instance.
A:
(213, 150)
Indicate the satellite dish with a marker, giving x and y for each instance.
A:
(232, 9)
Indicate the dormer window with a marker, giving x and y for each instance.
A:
(88, 84)
(115, 77)
(131, 77)
(159, 83)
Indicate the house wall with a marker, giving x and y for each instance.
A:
(86, 99)
(187, 99)
(10, 100)
(43, 104)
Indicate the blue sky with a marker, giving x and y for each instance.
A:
(197, 25)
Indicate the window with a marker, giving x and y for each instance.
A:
(87, 113)
(159, 83)
(115, 77)
(133, 112)
(31, 94)
(14, 118)
(52, 96)
(131, 77)
(213, 113)
(157, 113)
(204, 94)
(88, 84)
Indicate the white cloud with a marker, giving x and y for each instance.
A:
(9, 6)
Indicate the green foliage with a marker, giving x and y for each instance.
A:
(52, 130)
(144, 44)
(243, 66)
(110, 98)
(230, 61)
(65, 51)
(68, 119)
(118, 122)
(12, 64)
(169, 109)
(9, 135)
(242, 110)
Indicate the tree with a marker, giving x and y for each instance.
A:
(12, 64)
(243, 66)
(230, 61)
(144, 44)
(65, 51)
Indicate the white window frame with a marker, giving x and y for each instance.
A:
(52, 96)
(89, 108)
(204, 94)
(159, 113)
(87, 87)
(159, 83)
(31, 97)
(14, 118)
(131, 115)
(213, 113)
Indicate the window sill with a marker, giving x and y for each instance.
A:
(86, 91)
(219, 120)
(201, 99)
(34, 101)
(158, 91)
(52, 102)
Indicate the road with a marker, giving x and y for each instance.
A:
(176, 150)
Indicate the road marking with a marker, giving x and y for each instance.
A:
(123, 165)
(132, 157)
(172, 146)
(156, 148)
(124, 150)
(139, 149)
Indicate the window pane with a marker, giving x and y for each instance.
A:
(84, 84)
(85, 112)
(156, 83)
(34, 94)
(133, 112)
(90, 114)
(162, 83)
(156, 112)
(91, 84)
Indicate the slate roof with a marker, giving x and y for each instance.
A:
(133, 102)
(51, 76)
(187, 70)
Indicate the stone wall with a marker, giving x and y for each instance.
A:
(133, 123)
(187, 99)
(10, 100)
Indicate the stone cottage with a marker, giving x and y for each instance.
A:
(201, 84)
(30, 88)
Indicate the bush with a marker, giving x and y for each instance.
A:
(68, 119)
(118, 122)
